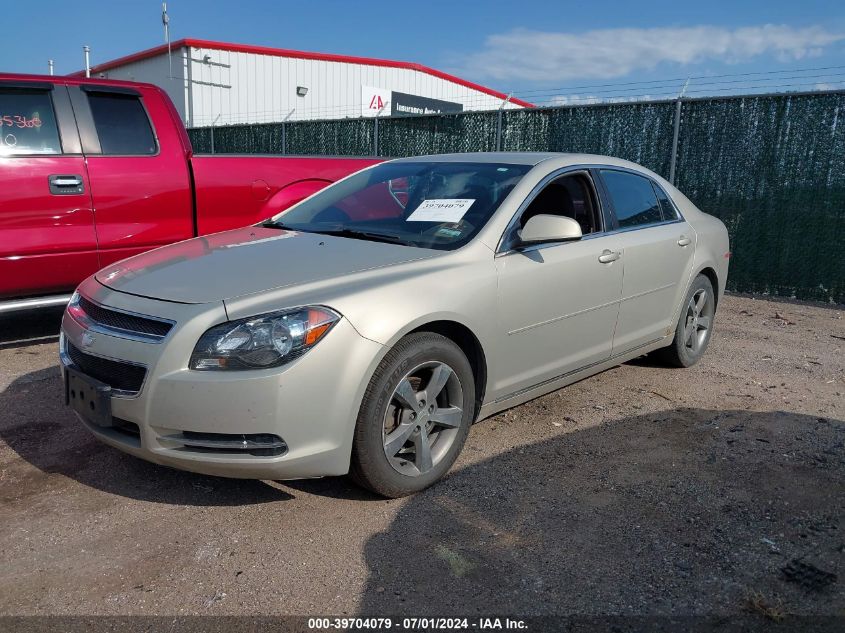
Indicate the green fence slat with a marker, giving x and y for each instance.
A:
(639, 132)
(773, 169)
(343, 137)
(440, 134)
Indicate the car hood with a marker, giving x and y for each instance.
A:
(246, 261)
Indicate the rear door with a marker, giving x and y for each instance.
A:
(657, 251)
(141, 186)
(47, 237)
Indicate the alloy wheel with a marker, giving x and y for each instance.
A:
(422, 418)
(699, 318)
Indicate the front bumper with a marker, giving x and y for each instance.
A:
(311, 403)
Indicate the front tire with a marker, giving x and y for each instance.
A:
(695, 326)
(415, 416)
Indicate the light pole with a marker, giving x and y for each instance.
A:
(165, 20)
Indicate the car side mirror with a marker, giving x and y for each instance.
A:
(549, 228)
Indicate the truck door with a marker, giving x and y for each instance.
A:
(141, 187)
(47, 237)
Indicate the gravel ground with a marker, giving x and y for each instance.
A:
(643, 490)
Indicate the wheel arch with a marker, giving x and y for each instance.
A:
(291, 194)
(710, 273)
(705, 268)
(469, 344)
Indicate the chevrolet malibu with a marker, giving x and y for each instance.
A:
(365, 329)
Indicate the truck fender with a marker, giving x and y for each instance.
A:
(289, 195)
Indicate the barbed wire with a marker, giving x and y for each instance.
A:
(681, 79)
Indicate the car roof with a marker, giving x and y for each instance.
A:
(550, 160)
(517, 158)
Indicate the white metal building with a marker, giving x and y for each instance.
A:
(216, 83)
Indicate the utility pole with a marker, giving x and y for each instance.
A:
(50, 65)
(87, 50)
(165, 20)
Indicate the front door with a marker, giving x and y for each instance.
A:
(557, 303)
(47, 238)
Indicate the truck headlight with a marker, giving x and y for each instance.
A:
(266, 340)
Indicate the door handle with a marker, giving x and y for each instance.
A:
(65, 184)
(684, 241)
(608, 256)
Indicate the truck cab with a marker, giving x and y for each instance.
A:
(93, 171)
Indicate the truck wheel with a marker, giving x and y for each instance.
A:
(415, 416)
(695, 325)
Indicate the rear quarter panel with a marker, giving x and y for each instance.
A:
(235, 191)
(712, 246)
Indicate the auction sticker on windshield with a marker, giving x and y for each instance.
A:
(441, 210)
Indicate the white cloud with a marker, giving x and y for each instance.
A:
(608, 53)
(577, 99)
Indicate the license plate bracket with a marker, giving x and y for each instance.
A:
(88, 397)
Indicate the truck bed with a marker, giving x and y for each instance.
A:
(235, 190)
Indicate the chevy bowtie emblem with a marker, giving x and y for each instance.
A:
(87, 340)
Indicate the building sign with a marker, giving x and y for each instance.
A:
(375, 101)
(384, 102)
(402, 104)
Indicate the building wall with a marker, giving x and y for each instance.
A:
(157, 70)
(219, 87)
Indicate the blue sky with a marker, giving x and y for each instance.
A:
(537, 49)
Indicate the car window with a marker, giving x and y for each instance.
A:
(122, 124)
(439, 205)
(570, 196)
(666, 206)
(27, 123)
(633, 198)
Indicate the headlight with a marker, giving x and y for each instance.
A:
(267, 340)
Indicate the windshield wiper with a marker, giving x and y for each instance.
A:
(340, 232)
(361, 235)
(269, 224)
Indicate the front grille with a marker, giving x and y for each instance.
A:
(118, 375)
(123, 321)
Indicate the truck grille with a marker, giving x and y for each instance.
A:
(134, 324)
(118, 375)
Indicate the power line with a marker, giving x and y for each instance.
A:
(745, 83)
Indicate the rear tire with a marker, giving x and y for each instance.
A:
(694, 328)
(415, 416)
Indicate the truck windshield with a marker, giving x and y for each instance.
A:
(439, 205)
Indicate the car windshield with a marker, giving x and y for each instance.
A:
(439, 205)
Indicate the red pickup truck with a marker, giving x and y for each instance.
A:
(94, 170)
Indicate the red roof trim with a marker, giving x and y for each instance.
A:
(283, 52)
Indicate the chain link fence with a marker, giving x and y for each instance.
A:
(772, 167)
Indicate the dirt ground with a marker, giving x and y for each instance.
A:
(716, 490)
